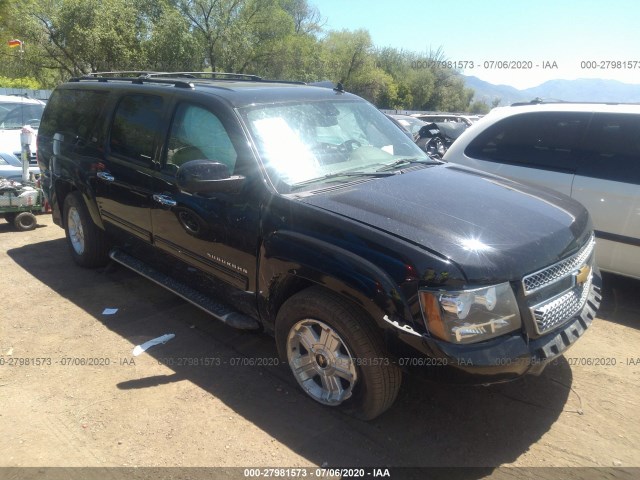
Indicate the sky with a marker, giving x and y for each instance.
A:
(567, 37)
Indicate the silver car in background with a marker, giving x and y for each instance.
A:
(11, 167)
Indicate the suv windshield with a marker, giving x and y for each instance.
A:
(303, 141)
(16, 115)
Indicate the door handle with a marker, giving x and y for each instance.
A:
(106, 176)
(165, 200)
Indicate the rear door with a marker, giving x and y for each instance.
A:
(124, 180)
(607, 182)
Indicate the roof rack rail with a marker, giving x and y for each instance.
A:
(207, 75)
(242, 77)
(143, 76)
(535, 101)
(139, 80)
(120, 73)
(540, 101)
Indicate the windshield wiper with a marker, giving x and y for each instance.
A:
(340, 174)
(408, 161)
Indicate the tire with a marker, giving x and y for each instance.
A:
(10, 217)
(335, 354)
(25, 221)
(88, 244)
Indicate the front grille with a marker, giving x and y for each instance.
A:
(542, 278)
(562, 289)
(550, 314)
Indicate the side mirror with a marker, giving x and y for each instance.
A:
(205, 176)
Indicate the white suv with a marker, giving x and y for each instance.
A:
(590, 152)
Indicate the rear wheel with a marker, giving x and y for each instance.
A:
(10, 217)
(335, 354)
(88, 244)
(25, 221)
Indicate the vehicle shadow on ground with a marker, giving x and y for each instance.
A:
(430, 424)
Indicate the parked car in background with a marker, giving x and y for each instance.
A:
(590, 152)
(434, 138)
(15, 113)
(408, 123)
(11, 167)
(447, 117)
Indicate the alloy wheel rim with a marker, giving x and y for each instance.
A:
(321, 362)
(76, 233)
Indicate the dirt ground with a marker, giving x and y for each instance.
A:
(73, 395)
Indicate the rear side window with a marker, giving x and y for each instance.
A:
(135, 127)
(547, 140)
(74, 112)
(613, 148)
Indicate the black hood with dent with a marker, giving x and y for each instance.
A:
(494, 229)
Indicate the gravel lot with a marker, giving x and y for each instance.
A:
(73, 395)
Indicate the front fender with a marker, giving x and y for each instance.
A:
(291, 261)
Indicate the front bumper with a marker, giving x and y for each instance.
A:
(498, 360)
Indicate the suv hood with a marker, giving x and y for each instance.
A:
(494, 229)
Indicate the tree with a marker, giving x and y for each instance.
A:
(76, 37)
(346, 54)
(26, 83)
(236, 33)
(172, 46)
(423, 81)
(479, 107)
(271, 38)
(306, 18)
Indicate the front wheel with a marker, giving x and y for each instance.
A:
(335, 354)
(88, 244)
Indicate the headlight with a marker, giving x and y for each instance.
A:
(468, 316)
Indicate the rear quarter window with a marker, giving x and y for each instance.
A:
(546, 140)
(75, 113)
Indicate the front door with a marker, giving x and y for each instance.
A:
(215, 233)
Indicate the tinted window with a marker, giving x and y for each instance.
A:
(197, 134)
(135, 127)
(547, 140)
(613, 148)
(74, 112)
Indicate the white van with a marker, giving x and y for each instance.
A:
(590, 152)
(15, 113)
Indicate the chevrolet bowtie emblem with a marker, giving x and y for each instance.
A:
(583, 274)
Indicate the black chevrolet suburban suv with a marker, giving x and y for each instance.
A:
(304, 212)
